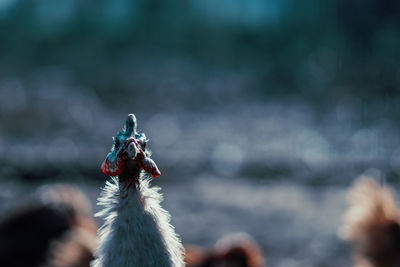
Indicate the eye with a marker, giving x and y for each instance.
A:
(116, 143)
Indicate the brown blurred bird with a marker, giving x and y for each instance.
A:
(234, 250)
(53, 229)
(372, 225)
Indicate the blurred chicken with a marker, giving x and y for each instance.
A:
(235, 250)
(54, 229)
(372, 225)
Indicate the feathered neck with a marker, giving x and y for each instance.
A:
(136, 231)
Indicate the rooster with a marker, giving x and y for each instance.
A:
(54, 229)
(372, 225)
(233, 250)
(137, 230)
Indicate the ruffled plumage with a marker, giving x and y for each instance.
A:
(137, 230)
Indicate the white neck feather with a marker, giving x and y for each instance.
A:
(136, 231)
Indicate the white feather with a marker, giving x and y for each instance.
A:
(136, 231)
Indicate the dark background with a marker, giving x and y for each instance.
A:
(260, 113)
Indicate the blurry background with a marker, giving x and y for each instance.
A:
(260, 113)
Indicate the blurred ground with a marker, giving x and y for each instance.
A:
(262, 140)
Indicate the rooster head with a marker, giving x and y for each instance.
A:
(129, 145)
